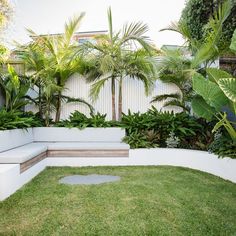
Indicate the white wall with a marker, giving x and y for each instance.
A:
(133, 96)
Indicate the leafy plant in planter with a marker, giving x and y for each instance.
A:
(154, 127)
(16, 119)
(14, 89)
(81, 121)
(223, 145)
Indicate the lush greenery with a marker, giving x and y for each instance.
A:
(17, 119)
(51, 60)
(146, 201)
(81, 121)
(154, 128)
(114, 58)
(196, 15)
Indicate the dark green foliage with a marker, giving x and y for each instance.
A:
(81, 121)
(192, 132)
(17, 119)
(141, 140)
(223, 146)
(197, 13)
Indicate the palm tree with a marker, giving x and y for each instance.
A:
(35, 61)
(50, 61)
(63, 57)
(175, 67)
(111, 59)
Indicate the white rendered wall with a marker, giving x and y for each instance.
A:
(199, 160)
(60, 134)
(11, 179)
(13, 138)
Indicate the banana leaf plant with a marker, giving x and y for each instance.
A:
(14, 90)
(214, 93)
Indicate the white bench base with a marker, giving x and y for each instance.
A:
(11, 179)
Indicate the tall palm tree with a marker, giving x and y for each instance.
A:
(108, 58)
(63, 56)
(50, 61)
(35, 61)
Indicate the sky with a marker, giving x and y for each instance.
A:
(49, 16)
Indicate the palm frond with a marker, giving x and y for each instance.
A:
(162, 97)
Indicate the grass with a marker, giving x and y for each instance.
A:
(147, 201)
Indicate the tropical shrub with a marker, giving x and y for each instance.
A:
(81, 121)
(16, 119)
(14, 90)
(156, 127)
(214, 93)
(223, 145)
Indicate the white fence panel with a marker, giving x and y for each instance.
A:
(134, 97)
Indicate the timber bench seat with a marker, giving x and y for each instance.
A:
(25, 153)
(30, 154)
(38, 143)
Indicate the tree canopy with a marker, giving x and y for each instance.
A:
(196, 15)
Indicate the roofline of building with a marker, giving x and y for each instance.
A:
(76, 33)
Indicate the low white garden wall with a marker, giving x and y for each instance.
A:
(11, 179)
(198, 160)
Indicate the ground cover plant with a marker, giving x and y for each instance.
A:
(147, 201)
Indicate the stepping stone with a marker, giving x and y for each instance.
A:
(88, 179)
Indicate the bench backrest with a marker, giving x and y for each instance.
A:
(14, 138)
(60, 134)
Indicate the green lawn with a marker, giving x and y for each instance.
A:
(147, 201)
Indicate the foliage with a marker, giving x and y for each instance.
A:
(5, 13)
(172, 141)
(112, 58)
(139, 140)
(50, 61)
(196, 15)
(215, 93)
(16, 119)
(14, 89)
(192, 133)
(81, 121)
(174, 67)
(223, 145)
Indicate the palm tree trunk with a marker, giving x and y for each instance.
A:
(58, 105)
(113, 92)
(58, 108)
(120, 100)
(40, 101)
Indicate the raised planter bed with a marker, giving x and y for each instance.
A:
(13, 176)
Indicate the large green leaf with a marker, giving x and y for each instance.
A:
(215, 74)
(210, 91)
(228, 86)
(233, 42)
(202, 109)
